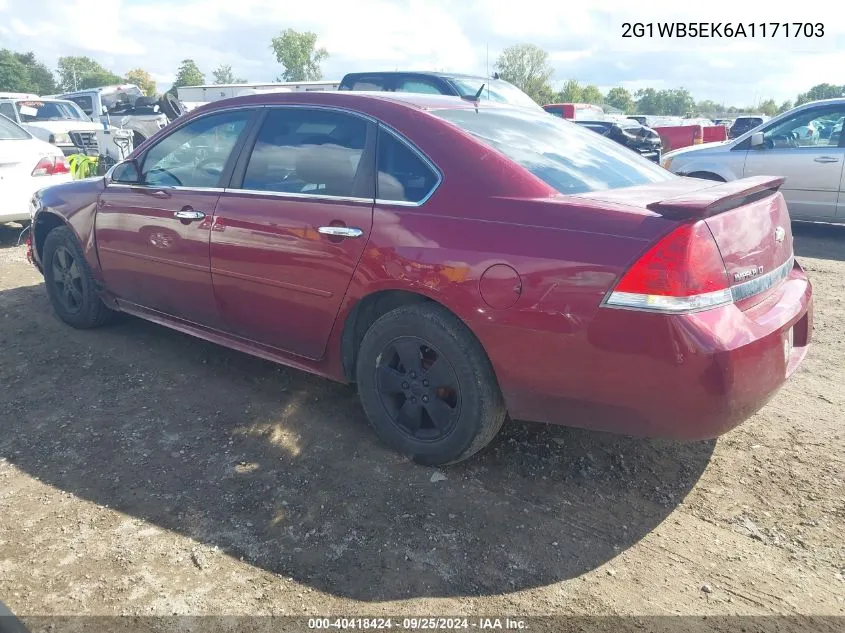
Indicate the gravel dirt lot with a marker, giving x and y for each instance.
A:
(145, 472)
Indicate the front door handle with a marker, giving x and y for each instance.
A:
(188, 214)
(826, 159)
(340, 231)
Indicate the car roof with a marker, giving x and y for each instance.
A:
(430, 73)
(353, 98)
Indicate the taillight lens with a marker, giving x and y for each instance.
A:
(683, 272)
(51, 165)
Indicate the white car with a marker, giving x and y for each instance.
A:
(27, 164)
(804, 145)
(63, 124)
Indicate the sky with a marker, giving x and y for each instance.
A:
(583, 38)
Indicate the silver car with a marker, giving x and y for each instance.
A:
(805, 145)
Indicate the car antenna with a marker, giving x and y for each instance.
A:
(476, 96)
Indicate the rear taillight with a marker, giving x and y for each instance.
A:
(683, 272)
(51, 165)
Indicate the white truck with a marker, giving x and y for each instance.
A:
(127, 107)
(215, 92)
(63, 124)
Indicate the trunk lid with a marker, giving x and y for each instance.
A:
(748, 218)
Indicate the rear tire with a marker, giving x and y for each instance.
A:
(70, 284)
(427, 385)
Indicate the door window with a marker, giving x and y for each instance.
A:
(195, 154)
(84, 102)
(312, 152)
(811, 128)
(419, 86)
(403, 175)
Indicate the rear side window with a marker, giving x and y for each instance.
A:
(403, 174)
(418, 86)
(316, 152)
(86, 103)
(10, 131)
(567, 157)
(8, 110)
(366, 83)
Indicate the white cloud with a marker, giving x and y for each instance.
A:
(584, 39)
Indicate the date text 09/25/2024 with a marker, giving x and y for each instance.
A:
(417, 623)
(723, 29)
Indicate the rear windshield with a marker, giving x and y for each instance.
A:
(11, 131)
(564, 155)
(495, 90)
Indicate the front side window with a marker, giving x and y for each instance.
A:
(564, 155)
(811, 128)
(305, 151)
(195, 154)
(403, 176)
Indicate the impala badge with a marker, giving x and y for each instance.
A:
(751, 272)
(780, 234)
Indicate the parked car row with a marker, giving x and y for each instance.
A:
(460, 258)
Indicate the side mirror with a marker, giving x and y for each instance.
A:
(757, 139)
(127, 172)
(104, 110)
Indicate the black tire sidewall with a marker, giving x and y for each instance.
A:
(90, 314)
(459, 348)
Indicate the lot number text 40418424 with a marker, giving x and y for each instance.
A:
(723, 29)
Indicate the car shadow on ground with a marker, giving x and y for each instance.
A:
(280, 468)
(10, 234)
(822, 241)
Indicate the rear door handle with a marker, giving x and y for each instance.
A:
(341, 231)
(188, 214)
(826, 159)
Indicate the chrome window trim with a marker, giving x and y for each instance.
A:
(422, 156)
(122, 185)
(761, 284)
(296, 196)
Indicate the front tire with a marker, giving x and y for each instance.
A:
(70, 284)
(427, 385)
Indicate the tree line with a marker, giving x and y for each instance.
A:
(527, 67)
(524, 65)
(296, 51)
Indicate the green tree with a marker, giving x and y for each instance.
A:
(14, 76)
(768, 107)
(649, 101)
(143, 80)
(188, 74)
(820, 91)
(526, 67)
(41, 78)
(592, 94)
(678, 101)
(297, 53)
(620, 98)
(81, 73)
(571, 92)
(224, 75)
(710, 108)
(786, 105)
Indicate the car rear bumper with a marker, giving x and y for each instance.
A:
(14, 204)
(683, 377)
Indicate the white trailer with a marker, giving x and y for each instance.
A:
(216, 92)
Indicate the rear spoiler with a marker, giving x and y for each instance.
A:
(719, 198)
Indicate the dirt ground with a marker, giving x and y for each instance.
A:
(146, 472)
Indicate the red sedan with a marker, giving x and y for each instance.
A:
(459, 261)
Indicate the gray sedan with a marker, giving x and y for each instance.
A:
(804, 145)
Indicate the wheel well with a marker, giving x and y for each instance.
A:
(45, 223)
(366, 312)
(705, 175)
